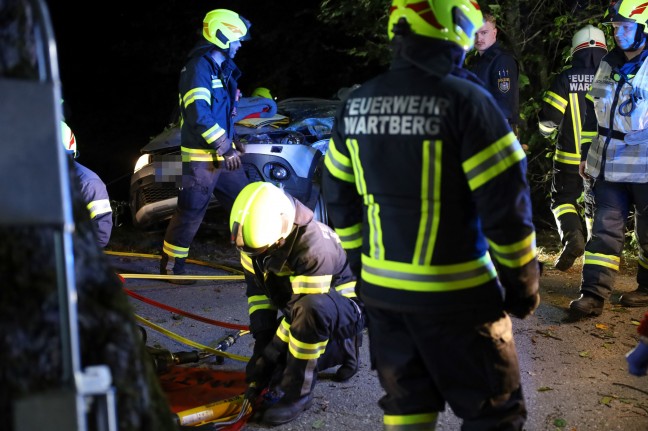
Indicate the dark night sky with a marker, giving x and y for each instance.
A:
(119, 68)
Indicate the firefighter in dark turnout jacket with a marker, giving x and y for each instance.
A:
(208, 92)
(564, 109)
(295, 265)
(614, 157)
(425, 182)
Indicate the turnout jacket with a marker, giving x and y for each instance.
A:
(312, 261)
(95, 195)
(499, 71)
(207, 98)
(615, 140)
(564, 107)
(425, 183)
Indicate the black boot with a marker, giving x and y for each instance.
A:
(286, 410)
(574, 247)
(351, 361)
(636, 298)
(587, 305)
(170, 265)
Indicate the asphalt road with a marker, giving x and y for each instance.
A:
(574, 374)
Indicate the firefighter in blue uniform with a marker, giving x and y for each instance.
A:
(564, 109)
(93, 190)
(425, 182)
(295, 265)
(498, 69)
(208, 94)
(614, 157)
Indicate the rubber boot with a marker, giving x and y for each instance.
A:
(351, 361)
(170, 265)
(573, 248)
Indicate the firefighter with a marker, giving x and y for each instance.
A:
(424, 182)
(295, 265)
(210, 159)
(614, 157)
(93, 190)
(563, 110)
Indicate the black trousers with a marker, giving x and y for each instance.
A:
(422, 365)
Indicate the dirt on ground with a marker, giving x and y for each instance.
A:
(574, 373)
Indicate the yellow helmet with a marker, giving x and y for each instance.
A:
(222, 27)
(588, 37)
(456, 21)
(628, 11)
(68, 139)
(262, 92)
(262, 216)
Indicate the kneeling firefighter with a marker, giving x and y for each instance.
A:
(294, 265)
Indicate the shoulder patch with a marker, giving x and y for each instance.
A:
(503, 81)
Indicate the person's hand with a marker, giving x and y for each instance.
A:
(638, 359)
(232, 159)
(521, 307)
(259, 376)
(581, 171)
(240, 146)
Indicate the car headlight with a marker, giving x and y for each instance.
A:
(144, 160)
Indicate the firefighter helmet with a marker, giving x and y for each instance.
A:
(68, 139)
(222, 27)
(628, 11)
(456, 21)
(262, 216)
(262, 92)
(588, 37)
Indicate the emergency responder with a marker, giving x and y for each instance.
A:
(614, 156)
(420, 226)
(294, 264)
(498, 69)
(563, 109)
(208, 94)
(93, 190)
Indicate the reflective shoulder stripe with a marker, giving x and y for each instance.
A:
(517, 254)
(338, 164)
(246, 263)
(427, 278)
(493, 160)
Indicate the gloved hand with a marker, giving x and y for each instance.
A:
(521, 307)
(232, 160)
(261, 373)
(638, 359)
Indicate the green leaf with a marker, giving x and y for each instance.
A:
(560, 423)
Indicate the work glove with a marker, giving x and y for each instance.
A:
(521, 306)
(232, 159)
(261, 374)
(638, 359)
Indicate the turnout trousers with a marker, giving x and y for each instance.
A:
(613, 205)
(320, 328)
(567, 186)
(422, 364)
(199, 181)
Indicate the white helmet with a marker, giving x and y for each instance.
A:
(68, 139)
(588, 37)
